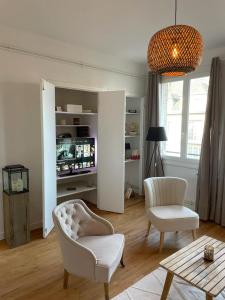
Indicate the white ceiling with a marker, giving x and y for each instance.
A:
(119, 27)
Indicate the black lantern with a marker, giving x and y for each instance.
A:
(15, 179)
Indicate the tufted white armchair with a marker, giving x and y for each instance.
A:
(164, 204)
(89, 246)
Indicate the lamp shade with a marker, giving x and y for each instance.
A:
(175, 50)
(156, 134)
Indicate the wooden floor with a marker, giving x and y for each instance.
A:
(35, 271)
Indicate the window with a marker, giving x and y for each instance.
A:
(182, 110)
(196, 116)
(172, 107)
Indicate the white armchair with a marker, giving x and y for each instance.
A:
(164, 204)
(89, 246)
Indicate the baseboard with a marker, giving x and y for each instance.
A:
(33, 226)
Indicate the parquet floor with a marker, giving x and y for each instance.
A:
(35, 271)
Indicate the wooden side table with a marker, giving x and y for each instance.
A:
(189, 264)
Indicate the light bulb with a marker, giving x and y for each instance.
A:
(175, 52)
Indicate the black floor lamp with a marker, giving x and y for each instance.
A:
(156, 135)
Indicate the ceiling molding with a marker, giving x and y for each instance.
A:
(58, 59)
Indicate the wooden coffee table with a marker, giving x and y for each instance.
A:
(189, 264)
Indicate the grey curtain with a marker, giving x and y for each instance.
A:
(211, 175)
(152, 119)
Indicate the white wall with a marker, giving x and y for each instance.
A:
(187, 170)
(24, 60)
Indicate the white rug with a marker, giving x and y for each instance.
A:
(150, 288)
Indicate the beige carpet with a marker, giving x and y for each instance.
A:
(150, 288)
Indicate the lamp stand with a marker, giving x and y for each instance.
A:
(153, 160)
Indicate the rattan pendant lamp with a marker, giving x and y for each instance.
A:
(175, 50)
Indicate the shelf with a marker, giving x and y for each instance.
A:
(76, 176)
(131, 160)
(131, 136)
(72, 125)
(134, 114)
(71, 113)
(63, 192)
(84, 137)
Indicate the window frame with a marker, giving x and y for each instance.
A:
(183, 159)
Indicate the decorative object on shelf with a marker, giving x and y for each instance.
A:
(175, 50)
(127, 151)
(129, 193)
(66, 135)
(73, 108)
(209, 253)
(71, 188)
(132, 128)
(58, 108)
(135, 155)
(83, 131)
(156, 135)
(132, 111)
(16, 204)
(76, 121)
(87, 111)
(62, 122)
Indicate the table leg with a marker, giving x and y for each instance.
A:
(208, 297)
(169, 279)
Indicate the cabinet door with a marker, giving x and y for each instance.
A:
(48, 154)
(111, 151)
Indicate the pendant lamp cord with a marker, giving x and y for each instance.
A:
(175, 16)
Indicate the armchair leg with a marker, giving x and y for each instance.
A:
(121, 262)
(194, 234)
(65, 279)
(161, 241)
(106, 287)
(149, 228)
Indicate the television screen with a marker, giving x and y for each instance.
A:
(74, 154)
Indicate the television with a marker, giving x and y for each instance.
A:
(74, 155)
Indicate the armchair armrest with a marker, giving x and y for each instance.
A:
(106, 226)
(103, 227)
(78, 259)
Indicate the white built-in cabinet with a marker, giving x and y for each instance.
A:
(104, 186)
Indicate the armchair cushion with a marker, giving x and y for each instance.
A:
(171, 218)
(108, 251)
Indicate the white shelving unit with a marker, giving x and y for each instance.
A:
(134, 167)
(87, 189)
